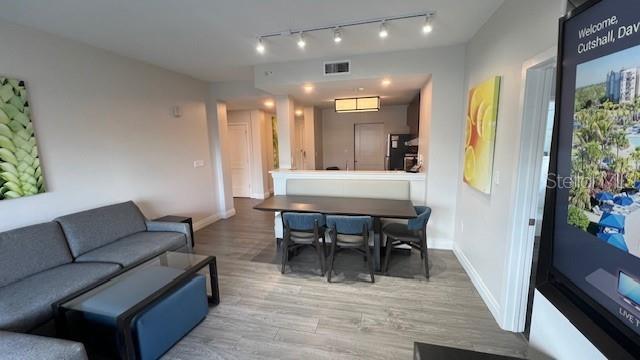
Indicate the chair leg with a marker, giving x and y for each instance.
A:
(320, 252)
(369, 262)
(285, 254)
(425, 252)
(387, 255)
(331, 258)
(324, 244)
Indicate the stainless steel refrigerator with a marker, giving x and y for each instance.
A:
(396, 150)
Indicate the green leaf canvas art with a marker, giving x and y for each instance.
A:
(20, 171)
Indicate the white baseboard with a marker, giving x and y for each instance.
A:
(260, 195)
(485, 294)
(229, 213)
(213, 218)
(206, 221)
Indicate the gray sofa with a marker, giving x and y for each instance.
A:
(43, 263)
(14, 346)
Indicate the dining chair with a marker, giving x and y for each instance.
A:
(350, 233)
(414, 234)
(303, 229)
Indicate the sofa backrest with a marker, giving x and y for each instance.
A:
(30, 250)
(91, 229)
(375, 189)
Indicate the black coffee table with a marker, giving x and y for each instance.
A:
(188, 265)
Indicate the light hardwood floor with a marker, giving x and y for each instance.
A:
(266, 315)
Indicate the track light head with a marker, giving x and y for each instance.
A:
(301, 42)
(383, 33)
(260, 47)
(337, 35)
(428, 26)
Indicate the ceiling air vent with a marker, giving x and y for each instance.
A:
(342, 67)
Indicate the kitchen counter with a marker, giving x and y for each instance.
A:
(417, 181)
(348, 174)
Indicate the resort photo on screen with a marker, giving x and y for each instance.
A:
(605, 158)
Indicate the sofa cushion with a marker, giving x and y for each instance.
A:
(91, 229)
(136, 247)
(27, 303)
(32, 249)
(14, 346)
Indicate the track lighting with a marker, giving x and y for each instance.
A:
(337, 29)
(301, 42)
(337, 35)
(427, 27)
(383, 30)
(260, 47)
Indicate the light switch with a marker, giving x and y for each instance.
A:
(496, 178)
(198, 163)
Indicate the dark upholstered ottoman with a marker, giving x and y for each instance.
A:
(144, 313)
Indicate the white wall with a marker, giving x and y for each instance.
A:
(338, 131)
(106, 133)
(553, 335)
(285, 111)
(309, 143)
(317, 134)
(516, 32)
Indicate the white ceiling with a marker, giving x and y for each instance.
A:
(215, 40)
(401, 90)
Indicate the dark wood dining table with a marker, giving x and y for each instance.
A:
(376, 208)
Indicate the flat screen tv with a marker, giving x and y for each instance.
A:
(589, 263)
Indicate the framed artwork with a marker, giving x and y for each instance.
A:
(482, 116)
(20, 171)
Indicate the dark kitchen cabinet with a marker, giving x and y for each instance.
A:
(413, 116)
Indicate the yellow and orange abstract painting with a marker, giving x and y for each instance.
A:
(482, 116)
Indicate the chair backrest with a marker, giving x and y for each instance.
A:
(419, 222)
(302, 221)
(30, 250)
(374, 189)
(91, 229)
(350, 225)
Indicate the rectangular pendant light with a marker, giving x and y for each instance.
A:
(362, 104)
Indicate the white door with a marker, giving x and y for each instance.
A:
(240, 171)
(369, 147)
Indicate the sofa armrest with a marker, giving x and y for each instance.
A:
(171, 226)
(25, 346)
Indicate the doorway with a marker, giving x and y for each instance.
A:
(369, 151)
(538, 75)
(240, 170)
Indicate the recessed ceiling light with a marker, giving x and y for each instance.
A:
(337, 35)
(308, 88)
(301, 42)
(383, 30)
(269, 103)
(260, 47)
(386, 82)
(428, 26)
(299, 112)
(360, 89)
